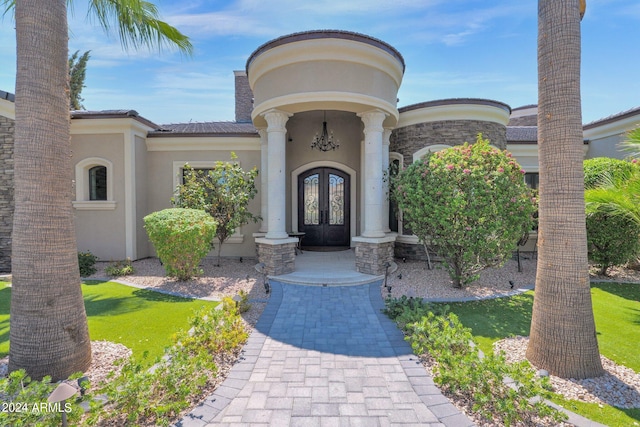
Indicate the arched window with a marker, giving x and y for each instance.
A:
(98, 183)
(94, 185)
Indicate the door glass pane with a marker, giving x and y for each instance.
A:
(311, 202)
(336, 200)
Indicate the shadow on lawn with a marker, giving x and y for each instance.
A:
(497, 318)
(628, 291)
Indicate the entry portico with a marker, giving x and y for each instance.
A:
(351, 82)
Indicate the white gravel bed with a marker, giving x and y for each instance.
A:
(619, 386)
(414, 279)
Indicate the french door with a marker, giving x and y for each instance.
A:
(323, 211)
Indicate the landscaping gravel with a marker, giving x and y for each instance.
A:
(619, 386)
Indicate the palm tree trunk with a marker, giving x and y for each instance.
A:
(48, 325)
(563, 336)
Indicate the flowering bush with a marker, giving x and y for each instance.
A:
(470, 203)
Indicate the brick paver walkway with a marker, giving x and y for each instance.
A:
(326, 356)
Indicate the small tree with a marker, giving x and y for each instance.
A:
(77, 74)
(223, 191)
(470, 203)
(182, 237)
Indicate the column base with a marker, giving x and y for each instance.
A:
(278, 256)
(373, 253)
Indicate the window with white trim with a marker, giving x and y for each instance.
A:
(94, 184)
(98, 183)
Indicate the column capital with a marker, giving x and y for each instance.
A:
(386, 136)
(263, 135)
(373, 120)
(276, 120)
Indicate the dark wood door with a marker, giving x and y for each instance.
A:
(323, 210)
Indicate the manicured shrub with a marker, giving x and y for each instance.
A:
(182, 237)
(468, 203)
(463, 373)
(601, 169)
(87, 262)
(612, 240)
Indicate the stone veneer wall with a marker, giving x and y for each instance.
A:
(410, 139)
(371, 257)
(6, 192)
(410, 251)
(277, 259)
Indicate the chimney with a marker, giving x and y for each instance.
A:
(244, 97)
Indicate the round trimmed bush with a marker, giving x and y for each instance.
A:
(182, 238)
(612, 240)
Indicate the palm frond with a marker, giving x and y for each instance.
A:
(616, 198)
(632, 143)
(138, 24)
(9, 6)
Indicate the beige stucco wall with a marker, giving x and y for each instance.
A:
(160, 167)
(102, 231)
(606, 147)
(325, 70)
(326, 76)
(142, 240)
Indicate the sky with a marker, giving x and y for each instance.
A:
(451, 48)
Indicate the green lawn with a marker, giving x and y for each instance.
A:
(616, 309)
(141, 320)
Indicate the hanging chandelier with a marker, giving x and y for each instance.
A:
(325, 140)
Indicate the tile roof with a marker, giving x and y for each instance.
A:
(111, 114)
(8, 96)
(326, 34)
(614, 117)
(522, 134)
(205, 129)
(452, 101)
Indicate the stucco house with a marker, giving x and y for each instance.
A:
(329, 185)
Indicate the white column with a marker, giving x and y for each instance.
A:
(373, 175)
(276, 178)
(385, 186)
(264, 184)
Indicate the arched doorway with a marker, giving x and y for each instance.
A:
(324, 207)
